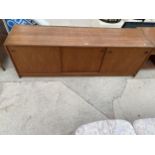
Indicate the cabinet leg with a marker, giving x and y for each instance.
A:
(3, 67)
(19, 76)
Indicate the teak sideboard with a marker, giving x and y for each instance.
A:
(60, 51)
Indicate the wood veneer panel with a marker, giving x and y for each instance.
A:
(123, 61)
(36, 59)
(41, 51)
(82, 59)
(153, 52)
(149, 33)
(79, 37)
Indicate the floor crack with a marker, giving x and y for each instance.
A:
(119, 97)
(101, 112)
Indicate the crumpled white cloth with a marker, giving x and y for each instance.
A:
(106, 127)
(145, 126)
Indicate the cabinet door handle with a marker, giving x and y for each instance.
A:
(146, 52)
(12, 51)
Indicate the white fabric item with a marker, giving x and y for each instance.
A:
(144, 126)
(106, 127)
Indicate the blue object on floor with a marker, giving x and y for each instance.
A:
(11, 22)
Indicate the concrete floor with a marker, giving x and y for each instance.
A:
(59, 105)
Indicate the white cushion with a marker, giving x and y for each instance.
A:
(145, 126)
(106, 127)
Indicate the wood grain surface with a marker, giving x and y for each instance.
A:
(70, 51)
(79, 37)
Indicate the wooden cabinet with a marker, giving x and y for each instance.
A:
(124, 61)
(59, 51)
(82, 59)
(3, 35)
(77, 61)
(36, 60)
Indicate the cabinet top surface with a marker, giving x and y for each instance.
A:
(149, 34)
(76, 36)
